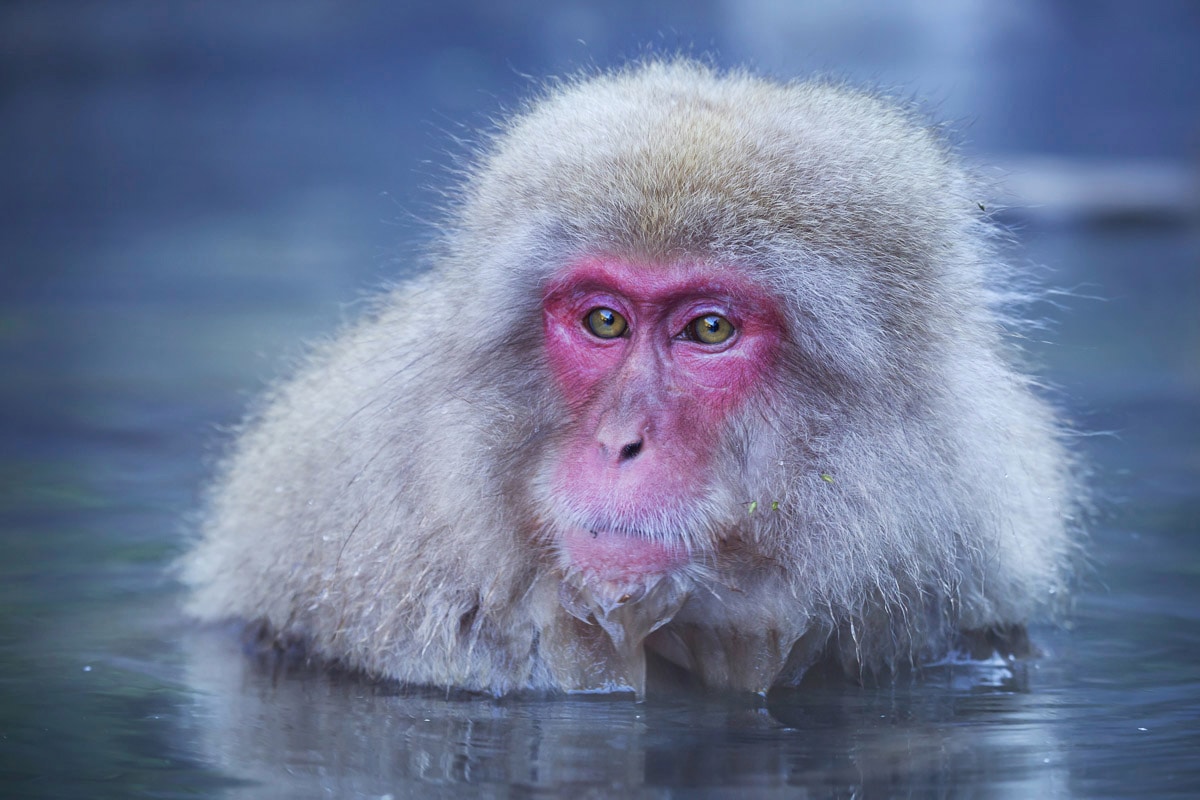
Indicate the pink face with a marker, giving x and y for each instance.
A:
(652, 360)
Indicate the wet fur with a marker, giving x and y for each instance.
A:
(896, 491)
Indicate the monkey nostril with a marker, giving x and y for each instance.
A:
(630, 450)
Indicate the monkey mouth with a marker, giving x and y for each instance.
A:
(620, 556)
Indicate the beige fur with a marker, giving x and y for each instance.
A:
(387, 507)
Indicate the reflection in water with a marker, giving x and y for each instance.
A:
(290, 732)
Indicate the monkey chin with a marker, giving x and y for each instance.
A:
(629, 584)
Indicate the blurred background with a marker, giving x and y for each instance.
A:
(191, 190)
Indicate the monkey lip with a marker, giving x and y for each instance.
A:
(620, 556)
(627, 582)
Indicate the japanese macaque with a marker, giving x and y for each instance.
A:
(710, 380)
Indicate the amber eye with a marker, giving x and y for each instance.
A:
(710, 329)
(606, 323)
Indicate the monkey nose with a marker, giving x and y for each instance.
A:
(630, 451)
(622, 438)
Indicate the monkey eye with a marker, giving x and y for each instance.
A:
(709, 329)
(606, 323)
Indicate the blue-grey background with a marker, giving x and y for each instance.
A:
(191, 190)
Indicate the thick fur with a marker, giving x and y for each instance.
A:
(895, 490)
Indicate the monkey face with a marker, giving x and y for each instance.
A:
(652, 361)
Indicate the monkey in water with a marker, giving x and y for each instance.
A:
(711, 379)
